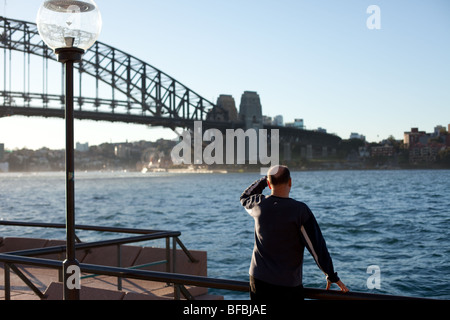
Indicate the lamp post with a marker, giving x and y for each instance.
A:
(70, 28)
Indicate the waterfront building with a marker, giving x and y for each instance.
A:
(415, 136)
(82, 147)
(4, 167)
(298, 124)
(447, 142)
(420, 153)
(382, 151)
(278, 121)
(425, 147)
(355, 135)
(438, 130)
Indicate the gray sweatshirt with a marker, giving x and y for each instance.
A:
(283, 228)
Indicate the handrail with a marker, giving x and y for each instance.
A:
(101, 229)
(97, 244)
(198, 281)
(79, 227)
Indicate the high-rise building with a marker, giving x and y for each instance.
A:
(251, 110)
(226, 110)
(227, 102)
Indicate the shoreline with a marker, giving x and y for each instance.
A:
(228, 171)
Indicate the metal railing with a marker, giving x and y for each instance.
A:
(11, 259)
(198, 281)
(154, 234)
(145, 235)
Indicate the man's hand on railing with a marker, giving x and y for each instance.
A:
(340, 284)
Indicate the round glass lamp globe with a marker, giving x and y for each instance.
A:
(69, 23)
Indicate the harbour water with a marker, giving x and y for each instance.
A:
(396, 220)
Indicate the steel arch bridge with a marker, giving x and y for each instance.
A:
(140, 93)
(124, 89)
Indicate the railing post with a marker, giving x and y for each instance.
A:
(176, 292)
(168, 255)
(61, 271)
(174, 254)
(186, 251)
(119, 264)
(7, 282)
(176, 287)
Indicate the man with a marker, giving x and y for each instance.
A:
(283, 228)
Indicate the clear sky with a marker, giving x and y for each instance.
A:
(311, 59)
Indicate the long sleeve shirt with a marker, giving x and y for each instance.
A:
(283, 228)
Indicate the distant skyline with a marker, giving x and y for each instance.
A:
(313, 60)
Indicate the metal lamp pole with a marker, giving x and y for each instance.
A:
(70, 27)
(69, 56)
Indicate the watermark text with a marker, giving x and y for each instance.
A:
(374, 20)
(73, 278)
(241, 147)
(374, 281)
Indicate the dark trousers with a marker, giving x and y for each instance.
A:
(261, 291)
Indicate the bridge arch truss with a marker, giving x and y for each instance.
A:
(139, 92)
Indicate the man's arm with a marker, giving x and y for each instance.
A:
(316, 245)
(253, 194)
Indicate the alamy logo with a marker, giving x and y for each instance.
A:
(374, 21)
(241, 147)
(73, 278)
(374, 281)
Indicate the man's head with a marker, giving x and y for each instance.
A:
(279, 179)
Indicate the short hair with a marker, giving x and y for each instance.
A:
(282, 175)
